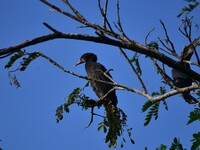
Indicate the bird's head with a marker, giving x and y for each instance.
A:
(86, 58)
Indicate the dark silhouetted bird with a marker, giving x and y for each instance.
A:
(182, 80)
(97, 71)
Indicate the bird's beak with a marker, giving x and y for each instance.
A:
(78, 63)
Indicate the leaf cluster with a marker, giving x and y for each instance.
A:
(25, 60)
(187, 9)
(113, 125)
(115, 129)
(135, 60)
(194, 115)
(176, 145)
(154, 107)
(78, 98)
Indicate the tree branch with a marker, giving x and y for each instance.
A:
(134, 70)
(134, 46)
(174, 92)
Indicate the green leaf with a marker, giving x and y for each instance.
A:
(15, 57)
(162, 90)
(188, 8)
(28, 60)
(194, 115)
(132, 141)
(147, 105)
(176, 145)
(196, 141)
(59, 113)
(135, 60)
(165, 104)
(153, 112)
(162, 147)
(100, 127)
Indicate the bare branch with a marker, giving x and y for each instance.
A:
(105, 12)
(74, 10)
(133, 46)
(51, 28)
(134, 70)
(104, 15)
(168, 39)
(167, 79)
(119, 27)
(145, 41)
(174, 92)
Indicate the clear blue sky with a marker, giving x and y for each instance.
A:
(27, 114)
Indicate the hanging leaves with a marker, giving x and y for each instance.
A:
(154, 107)
(194, 115)
(15, 57)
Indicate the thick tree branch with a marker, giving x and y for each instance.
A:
(134, 46)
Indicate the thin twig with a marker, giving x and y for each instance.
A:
(119, 27)
(105, 12)
(146, 38)
(91, 119)
(51, 28)
(111, 90)
(74, 10)
(104, 15)
(167, 79)
(168, 39)
(134, 70)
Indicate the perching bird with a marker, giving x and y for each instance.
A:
(96, 70)
(182, 80)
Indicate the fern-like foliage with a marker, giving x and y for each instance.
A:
(135, 60)
(154, 107)
(191, 6)
(114, 129)
(176, 145)
(15, 57)
(161, 147)
(196, 141)
(76, 97)
(194, 115)
(25, 60)
(23, 65)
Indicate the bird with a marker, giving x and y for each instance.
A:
(181, 79)
(97, 71)
(105, 92)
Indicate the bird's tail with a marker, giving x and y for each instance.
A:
(189, 98)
